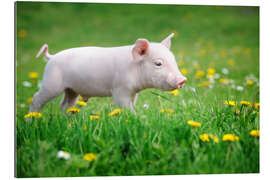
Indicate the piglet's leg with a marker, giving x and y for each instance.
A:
(69, 100)
(123, 99)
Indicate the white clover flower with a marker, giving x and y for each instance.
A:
(22, 105)
(27, 84)
(63, 155)
(210, 86)
(225, 71)
(193, 89)
(239, 88)
(216, 76)
(146, 106)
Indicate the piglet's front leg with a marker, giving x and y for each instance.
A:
(124, 99)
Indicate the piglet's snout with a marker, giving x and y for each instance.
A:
(181, 81)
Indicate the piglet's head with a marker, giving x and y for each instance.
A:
(157, 65)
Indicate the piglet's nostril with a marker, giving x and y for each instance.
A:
(181, 83)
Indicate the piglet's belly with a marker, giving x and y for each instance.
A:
(90, 87)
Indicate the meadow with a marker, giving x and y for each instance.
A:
(206, 127)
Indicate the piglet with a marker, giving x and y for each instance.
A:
(121, 72)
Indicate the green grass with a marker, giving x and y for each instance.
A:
(151, 142)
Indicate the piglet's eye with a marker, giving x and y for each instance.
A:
(158, 63)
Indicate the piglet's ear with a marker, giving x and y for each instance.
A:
(167, 42)
(140, 48)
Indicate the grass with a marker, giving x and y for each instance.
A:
(152, 142)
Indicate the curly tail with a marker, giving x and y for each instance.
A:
(44, 49)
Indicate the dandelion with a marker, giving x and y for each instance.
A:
(84, 127)
(204, 83)
(202, 52)
(231, 62)
(224, 81)
(33, 114)
(29, 100)
(170, 111)
(204, 137)
(237, 111)
(162, 111)
(27, 84)
(256, 105)
(230, 103)
(63, 155)
(33, 75)
(250, 82)
(70, 124)
(207, 137)
(94, 117)
(90, 157)
(181, 63)
(199, 74)
(230, 137)
(184, 71)
(174, 92)
(223, 53)
(144, 135)
(115, 112)
(211, 71)
(72, 110)
(214, 138)
(245, 103)
(255, 133)
(81, 103)
(181, 54)
(194, 123)
(22, 33)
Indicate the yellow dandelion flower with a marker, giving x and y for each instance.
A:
(29, 100)
(202, 52)
(199, 74)
(181, 63)
(224, 80)
(256, 105)
(72, 110)
(230, 103)
(81, 103)
(247, 51)
(230, 137)
(211, 71)
(215, 138)
(33, 114)
(33, 75)
(174, 92)
(194, 123)
(115, 112)
(250, 82)
(204, 83)
(204, 137)
(231, 62)
(144, 135)
(184, 71)
(162, 111)
(255, 133)
(245, 103)
(22, 33)
(90, 157)
(181, 54)
(223, 53)
(237, 111)
(170, 111)
(84, 127)
(92, 117)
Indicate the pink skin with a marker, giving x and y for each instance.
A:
(120, 72)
